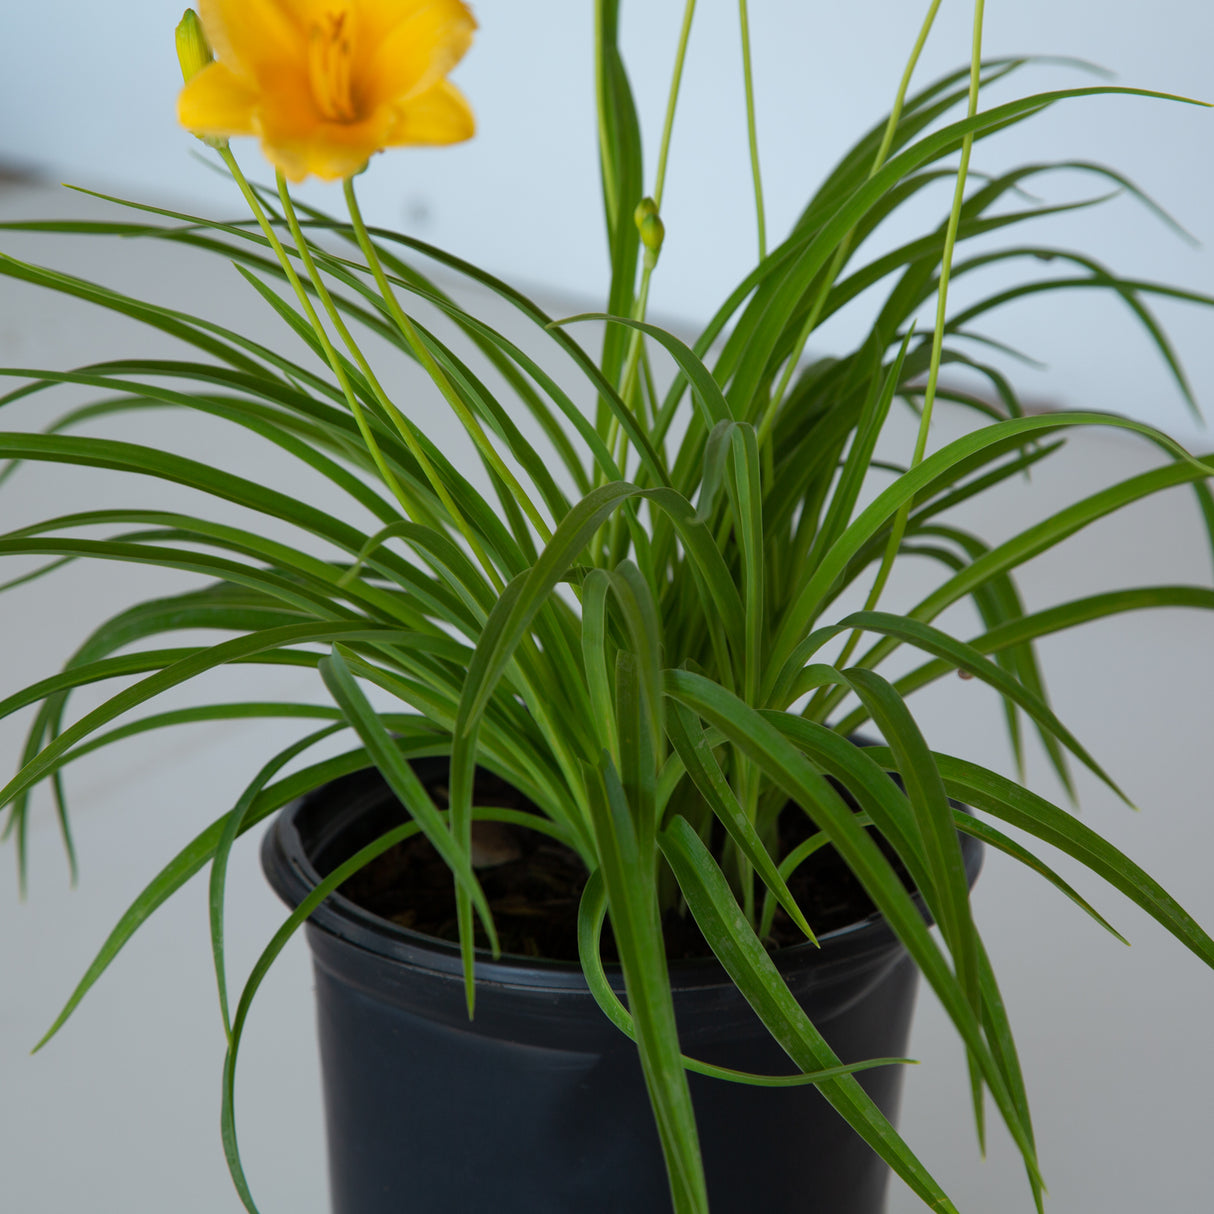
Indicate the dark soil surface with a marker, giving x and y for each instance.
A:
(534, 884)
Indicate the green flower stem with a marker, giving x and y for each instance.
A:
(672, 101)
(322, 335)
(898, 526)
(535, 699)
(891, 125)
(751, 131)
(950, 241)
(647, 266)
(844, 249)
(409, 331)
(385, 402)
(629, 381)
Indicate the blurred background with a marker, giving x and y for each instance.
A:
(120, 1113)
(86, 97)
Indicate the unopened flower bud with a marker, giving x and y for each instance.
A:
(651, 228)
(653, 232)
(193, 49)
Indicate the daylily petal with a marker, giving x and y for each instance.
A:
(419, 49)
(218, 103)
(251, 36)
(331, 150)
(439, 115)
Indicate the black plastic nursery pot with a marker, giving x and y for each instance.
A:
(538, 1106)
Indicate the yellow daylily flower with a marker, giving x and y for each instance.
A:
(327, 83)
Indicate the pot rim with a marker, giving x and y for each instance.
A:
(286, 860)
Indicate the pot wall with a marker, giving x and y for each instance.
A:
(538, 1106)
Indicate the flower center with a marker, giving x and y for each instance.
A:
(329, 54)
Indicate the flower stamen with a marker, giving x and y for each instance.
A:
(329, 55)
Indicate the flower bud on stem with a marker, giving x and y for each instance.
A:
(193, 50)
(651, 228)
(194, 54)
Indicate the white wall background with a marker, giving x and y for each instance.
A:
(87, 90)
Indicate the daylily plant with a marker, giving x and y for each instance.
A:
(641, 636)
